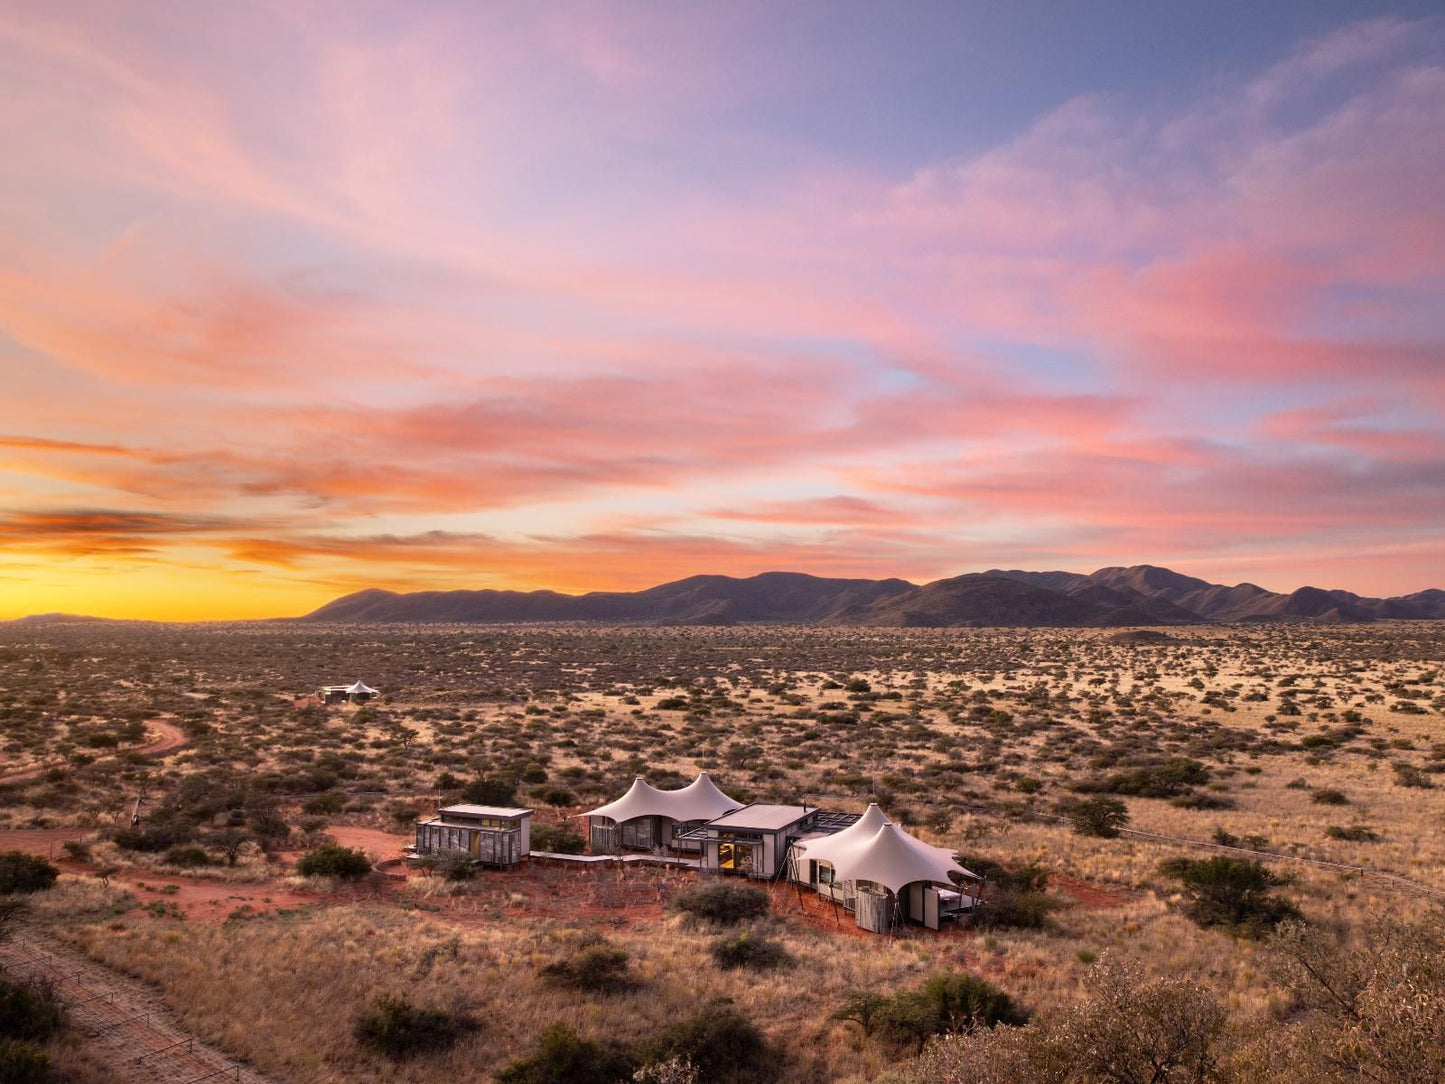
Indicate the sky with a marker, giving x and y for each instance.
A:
(302, 298)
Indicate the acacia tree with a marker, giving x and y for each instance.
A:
(1100, 816)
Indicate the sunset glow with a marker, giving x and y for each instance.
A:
(297, 299)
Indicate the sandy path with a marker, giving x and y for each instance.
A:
(171, 738)
(121, 1018)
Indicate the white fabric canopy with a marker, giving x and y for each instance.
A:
(700, 800)
(893, 858)
(865, 827)
(360, 688)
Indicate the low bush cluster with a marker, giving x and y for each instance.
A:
(21, 872)
(717, 1044)
(750, 951)
(599, 967)
(398, 1029)
(557, 839)
(334, 861)
(30, 1013)
(947, 1002)
(1233, 893)
(723, 902)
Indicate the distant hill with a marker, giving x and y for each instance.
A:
(1109, 598)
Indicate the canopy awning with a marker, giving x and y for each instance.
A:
(360, 688)
(893, 859)
(700, 800)
(865, 827)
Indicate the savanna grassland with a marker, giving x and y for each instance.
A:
(1278, 742)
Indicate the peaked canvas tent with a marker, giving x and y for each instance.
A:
(646, 817)
(894, 859)
(878, 870)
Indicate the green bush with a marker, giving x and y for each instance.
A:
(1165, 779)
(947, 1002)
(556, 839)
(564, 1057)
(21, 872)
(597, 968)
(334, 861)
(188, 855)
(724, 902)
(1355, 833)
(1230, 892)
(1016, 899)
(1329, 796)
(395, 1027)
(1099, 816)
(22, 1063)
(493, 791)
(719, 1041)
(454, 865)
(753, 953)
(331, 801)
(29, 1011)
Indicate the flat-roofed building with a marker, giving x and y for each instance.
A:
(492, 835)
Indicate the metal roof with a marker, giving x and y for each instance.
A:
(765, 818)
(483, 811)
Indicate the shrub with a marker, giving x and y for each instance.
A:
(455, 865)
(557, 839)
(1099, 816)
(965, 1001)
(331, 801)
(564, 1057)
(78, 850)
(1163, 780)
(947, 1002)
(395, 1027)
(21, 872)
(333, 861)
(153, 837)
(598, 968)
(490, 791)
(719, 1041)
(1329, 796)
(1355, 833)
(23, 1063)
(29, 1011)
(1017, 899)
(1407, 775)
(1165, 1031)
(188, 855)
(1230, 892)
(753, 953)
(723, 902)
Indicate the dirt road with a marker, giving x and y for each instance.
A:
(168, 738)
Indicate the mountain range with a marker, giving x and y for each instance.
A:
(1110, 597)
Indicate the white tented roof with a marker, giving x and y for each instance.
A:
(893, 858)
(700, 800)
(360, 688)
(865, 827)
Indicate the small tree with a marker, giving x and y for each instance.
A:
(1099, 816)
(1230, 892)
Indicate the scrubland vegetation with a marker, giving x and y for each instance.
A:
(1053, 760)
